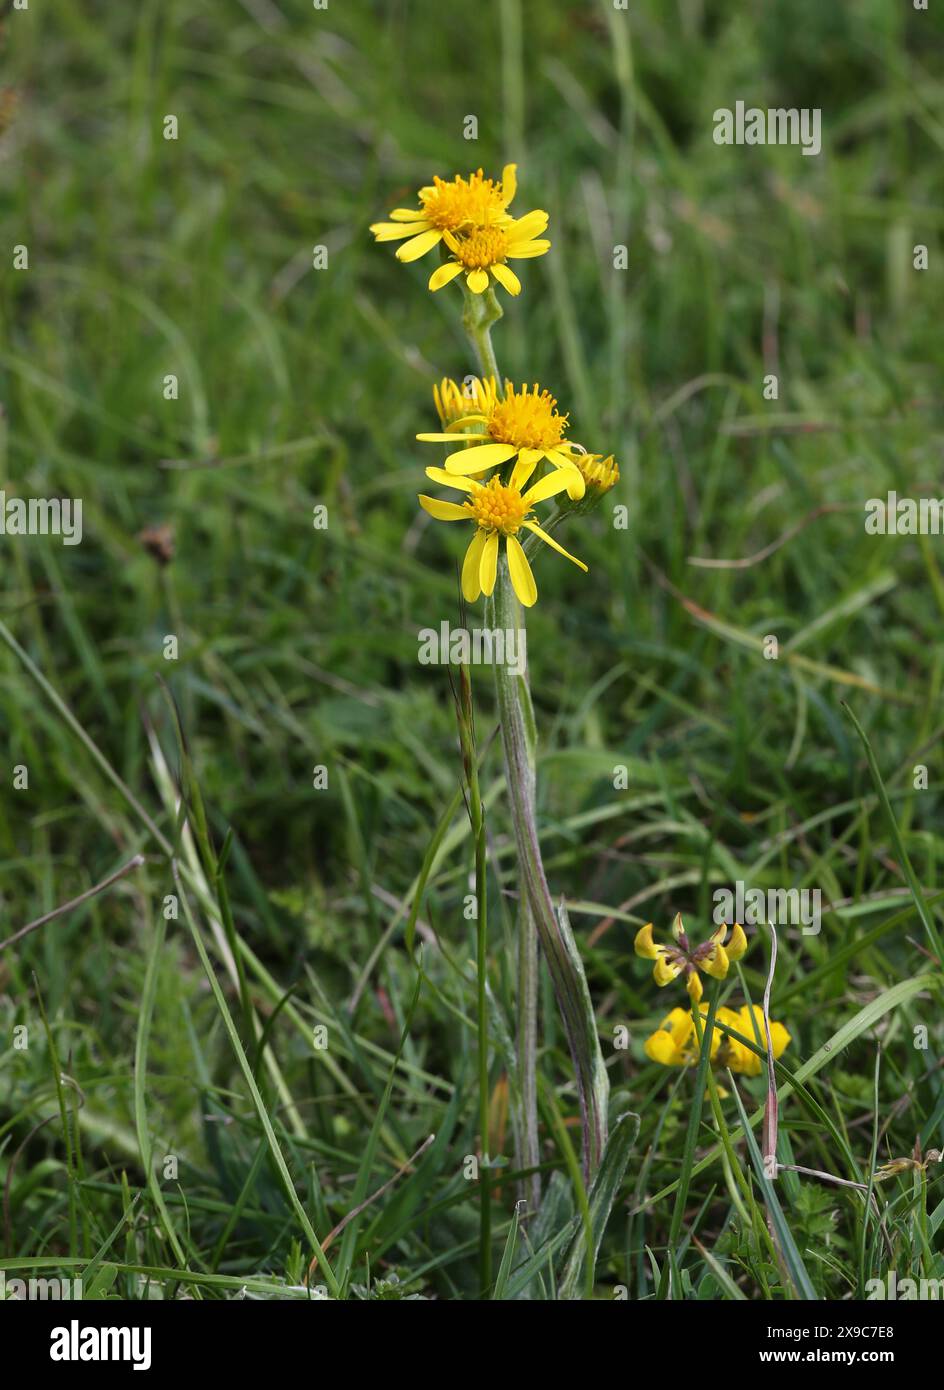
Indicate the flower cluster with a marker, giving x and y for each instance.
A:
(712, 956)
(468, 220)
(522, 428)
(508, 445)
(675, 1041)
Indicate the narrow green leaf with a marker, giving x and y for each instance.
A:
(603, 1193)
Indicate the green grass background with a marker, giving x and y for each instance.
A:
(297, 647)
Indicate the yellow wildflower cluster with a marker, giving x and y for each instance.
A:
(675, 1041)
(495, 428)
(469, 220)
(520, 427)
(684, 959)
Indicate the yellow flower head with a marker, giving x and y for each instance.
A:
(455, 402)
(449, 206)
(599, 473)
(684, 959)
(749, 1022)
(481, 253)
(675, 1041)
(499, 511)
(524, 424)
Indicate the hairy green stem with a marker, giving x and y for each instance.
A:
(481, 311)
(552, 925)
(477, 818)
(526, 1129)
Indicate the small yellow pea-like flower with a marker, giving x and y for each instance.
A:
(684, 959)
(675, 1041)
(749, 1022)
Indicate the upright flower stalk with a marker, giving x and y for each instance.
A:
(466, 716)
(510, 453)
(540, 920)
(479, 314)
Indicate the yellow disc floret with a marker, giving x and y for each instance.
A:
(481, 249)
(458, 202)
(528, 419)
(498, 507)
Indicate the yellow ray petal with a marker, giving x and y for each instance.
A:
(527, 227)
(443, 511)
(408, 215)
(479, 456)
(546, 487)
(507, 277)
(526, 250)
(509, 183)
(528, 460)
(444, 274)
(533, 526)
(393, 231)
(477, 281)
(445, 438)
(439, 475)
(471, 565)
(489, 565)
(521, 577)
(412, 250)
(576, 485)
(468, 420)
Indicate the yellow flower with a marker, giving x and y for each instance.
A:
(599, 473)
(448, 206)
(712, 956)
(498, 510)
(524, 425)
(455, 403)
(749, 1022)
(675, 1041)
(481, 253)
